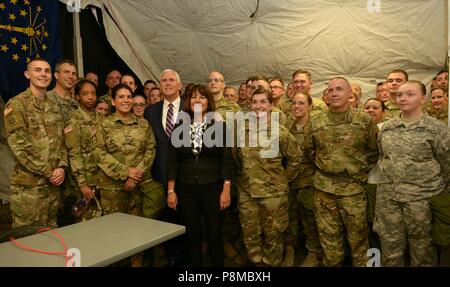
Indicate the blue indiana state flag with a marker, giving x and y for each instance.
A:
(28, 29)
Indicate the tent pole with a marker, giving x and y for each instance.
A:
(78, 45)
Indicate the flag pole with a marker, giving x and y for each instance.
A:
(78, 45)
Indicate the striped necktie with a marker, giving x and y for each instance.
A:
(169, 120)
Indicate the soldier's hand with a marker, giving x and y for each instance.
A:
(130, 185)
(87, 192)
(135, 173)
(58, 176)
(172, 200)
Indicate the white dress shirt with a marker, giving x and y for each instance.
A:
(176, 109)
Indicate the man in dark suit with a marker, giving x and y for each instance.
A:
(162, 117)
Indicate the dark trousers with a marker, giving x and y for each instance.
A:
(195, 200)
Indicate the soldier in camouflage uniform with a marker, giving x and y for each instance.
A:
(34, 130)
(124, 148)
(302, 83)
(266, 173)
(243, 97)
(8, 160)
(112, 80)
(414, 166)
(301, 201)
(438, 106)
(79, 131)
(393, 81)
(66, 78)
(342, 144)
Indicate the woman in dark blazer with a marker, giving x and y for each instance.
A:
(199, 172)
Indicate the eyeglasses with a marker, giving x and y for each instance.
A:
(215, 80)
(141, 105)
(275, 87)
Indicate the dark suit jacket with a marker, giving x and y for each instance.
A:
(211, 164)
(153, 114)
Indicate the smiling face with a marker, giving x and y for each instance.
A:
(170, 85)
(438, 99)
(300, 106)
(261, 105)
(339, 93)
(302, 84)
(375, 110)
(66, 77)
(139, 106)
(39, 74)
(199, 103)
(123, 102)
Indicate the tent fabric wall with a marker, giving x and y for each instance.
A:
(328, 38)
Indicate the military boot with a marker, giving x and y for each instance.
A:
(289, 256)
(311, 260)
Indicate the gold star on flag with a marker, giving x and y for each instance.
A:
(2, 6)
(44, 47)
(26, 2)
(15, 57)
(46, 34)
(12, 17)
(38, 33)
(38, 9)
(9, 28)
(4, 48)
(28, 59)
(24, 47)
(23, 13)
(14, 40)
(13, 2)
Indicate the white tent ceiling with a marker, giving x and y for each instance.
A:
(328, 38)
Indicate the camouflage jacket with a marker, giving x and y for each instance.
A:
(119, 145)
(264, 176)
(79, 131)
(441, 114)
(34, 130)
(66, 106)
(414, 159)
(343, 147)
(392, 110)
(307, 169)
(224, 105)
(318, 105)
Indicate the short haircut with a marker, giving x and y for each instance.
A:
(398, 71)
(154, 88)
(150, 82)
(261, 90)
(127, 75)
(177, 76)
(380, 84)
(36, 60)
(277, 79)
(249, 79)
(260, 78)
(63, 61)
(341, 78)
(302, 71)
(441, 72)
